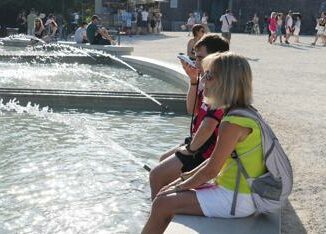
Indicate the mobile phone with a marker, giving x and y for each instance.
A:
(186, 59)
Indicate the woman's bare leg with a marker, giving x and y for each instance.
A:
(165, 207)
(167, 171)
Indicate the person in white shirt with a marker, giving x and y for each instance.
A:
(227, 20)
(297, 27)
(144, 18)
(288, 27)
(204, 22)
(80, 34)
(30, 22)
(190, 23)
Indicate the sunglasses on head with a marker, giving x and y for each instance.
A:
(208, 76)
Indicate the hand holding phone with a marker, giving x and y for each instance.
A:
(187, 60)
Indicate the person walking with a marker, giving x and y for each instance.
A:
(227, 20)
(288, 27)
(321, 29)
(297, 27)
(279, 21)
(204, 22)
(272, 27)
(255, 21)
(190, 23)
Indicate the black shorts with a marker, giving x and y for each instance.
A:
(189, 161)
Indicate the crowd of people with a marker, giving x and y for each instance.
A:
(50, 28)
(141, 20)
(278, 26)
(37, 24)
(290, 25)
(144, 21)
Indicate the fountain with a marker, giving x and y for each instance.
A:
(64, 169)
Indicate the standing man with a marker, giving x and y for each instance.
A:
(30, 22)
(227, 20)
(144, 18)
(288, 26)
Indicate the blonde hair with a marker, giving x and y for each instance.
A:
(232, 80)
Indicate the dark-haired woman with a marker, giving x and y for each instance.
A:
(198, 31)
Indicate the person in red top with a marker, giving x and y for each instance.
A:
(204, 126)
(272, 27)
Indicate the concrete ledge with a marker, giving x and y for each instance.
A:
(116, 50)
(17, 41)
(184, 224)
(49, 58)
(171, 73)
(98, 100)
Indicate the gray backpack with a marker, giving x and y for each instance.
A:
(269, 190)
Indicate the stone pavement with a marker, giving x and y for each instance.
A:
(290, 91)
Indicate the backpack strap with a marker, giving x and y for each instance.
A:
(227, 20)
(240, 169)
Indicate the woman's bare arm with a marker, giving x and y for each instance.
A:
(229, 136)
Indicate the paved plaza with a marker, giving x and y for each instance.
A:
(290, 91)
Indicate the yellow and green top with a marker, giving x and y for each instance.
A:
(250, 153)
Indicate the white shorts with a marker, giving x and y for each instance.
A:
(216, 201)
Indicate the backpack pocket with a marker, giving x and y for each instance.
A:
(267, 187)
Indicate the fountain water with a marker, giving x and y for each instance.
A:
(63, 50)
(72, 171)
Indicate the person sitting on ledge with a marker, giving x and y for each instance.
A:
(80, 34)
(39, 30)
(228, 84)
(96, 35)
(204, 124)
(51, 28)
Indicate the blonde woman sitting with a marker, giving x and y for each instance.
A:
(228, 84)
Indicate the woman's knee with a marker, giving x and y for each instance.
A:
(162, 205)
(155, 174)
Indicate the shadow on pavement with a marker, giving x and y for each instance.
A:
(147, 37)
(291, 222)
(294, 46)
